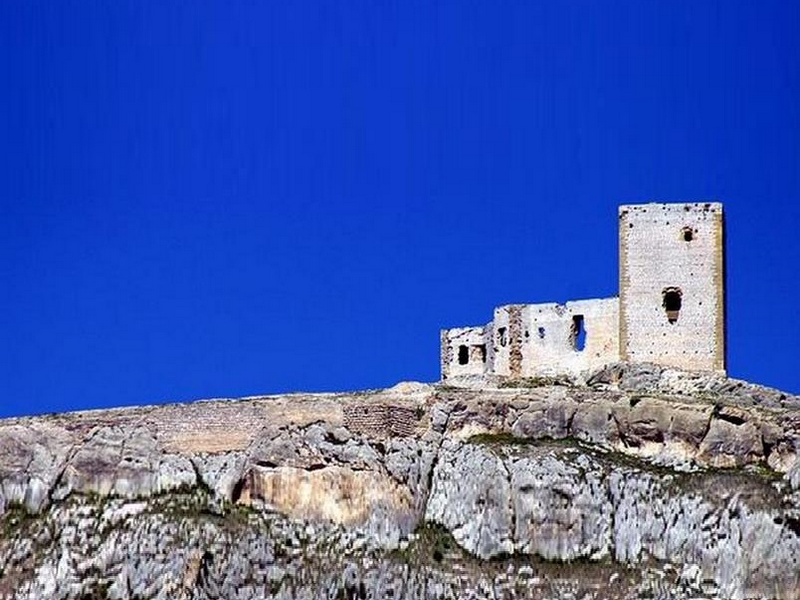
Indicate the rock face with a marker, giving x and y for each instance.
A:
(33, 457)
(471, 497)
(564, 503)
(538, 489)
(339, 495)
(124, 462)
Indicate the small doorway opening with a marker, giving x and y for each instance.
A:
(577, 334)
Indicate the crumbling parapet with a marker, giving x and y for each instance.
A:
(528, 340)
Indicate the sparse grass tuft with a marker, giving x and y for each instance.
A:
(432, 545)
(497, 438)
(535, 382)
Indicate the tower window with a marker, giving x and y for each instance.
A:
(687, 234)
(577, 334)
(502, 337)
(672, 297)
(463, 355)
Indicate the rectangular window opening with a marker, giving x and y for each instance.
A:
(672, 299)
(463, 355)
(478, 353)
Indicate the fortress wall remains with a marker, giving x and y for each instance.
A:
(380, 420)
(671, 308)
(202, 426)
(225, 425)
(81, 423)
(579, 336)
(209, 427)
(507, 340)
(222, 426)
(464, 351)
(545, 339)
(672, 285)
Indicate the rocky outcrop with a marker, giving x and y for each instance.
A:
(632, 409)
(340, 495)
(568, 503)
(123, 462)
(637, 467)
(471, 497)
(33, 456)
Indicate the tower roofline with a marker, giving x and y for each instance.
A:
(701, 205)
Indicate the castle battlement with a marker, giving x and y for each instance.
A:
(670, 309)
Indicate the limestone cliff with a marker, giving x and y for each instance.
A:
(638, 482)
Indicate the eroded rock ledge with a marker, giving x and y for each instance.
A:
(634, 465)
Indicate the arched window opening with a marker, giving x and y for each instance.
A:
(687, 234)
(463, 355)
(672, 299)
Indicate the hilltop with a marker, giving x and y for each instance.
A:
(637, 480)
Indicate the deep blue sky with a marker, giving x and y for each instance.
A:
(225, 198)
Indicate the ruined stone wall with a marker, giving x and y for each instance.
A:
(464, 351)
(671, 309)
(225, 426)
(507, 340)
(208, 426)
(542, 339)
(381, 420)
(671, 257)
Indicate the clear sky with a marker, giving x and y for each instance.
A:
(205, 199)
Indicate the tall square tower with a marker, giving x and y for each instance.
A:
(672, 285)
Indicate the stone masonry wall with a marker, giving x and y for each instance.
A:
(674, 249)
(207, 426)
(224, 426)
(471, 341)
(380, 420)
(539, 339)
(671, 308)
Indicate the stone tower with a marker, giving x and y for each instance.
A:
(672, 285)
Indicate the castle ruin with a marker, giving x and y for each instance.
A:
(670, 309)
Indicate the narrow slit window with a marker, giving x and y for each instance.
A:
(672, 303)
(463, 355)
(578, 333)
